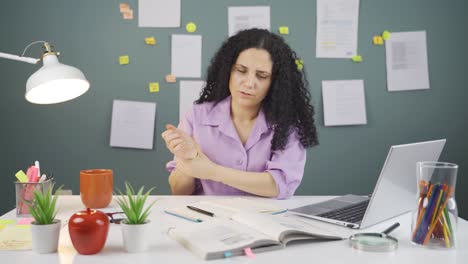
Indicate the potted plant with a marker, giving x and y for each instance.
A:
(45, 229)
(135, 226)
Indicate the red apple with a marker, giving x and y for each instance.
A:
(88, 231)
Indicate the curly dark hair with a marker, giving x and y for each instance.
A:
(287, 104)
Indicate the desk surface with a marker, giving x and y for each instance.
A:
(163, 249)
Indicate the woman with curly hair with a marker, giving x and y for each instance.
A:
(249, 130)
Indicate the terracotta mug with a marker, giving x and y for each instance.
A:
(96, 186)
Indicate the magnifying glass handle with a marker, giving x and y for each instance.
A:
(391, 228)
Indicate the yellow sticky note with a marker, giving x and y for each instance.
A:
(5, 222)
(150, 41)
(21, 176)
(191, 27)
(300, 64)
(170, 78)
(123, 60)
(386, 35)
(283, 30)
(377, 40)
(15, 238)
(154, 87)
(357, 58)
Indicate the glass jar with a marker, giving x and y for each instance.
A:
(434, 221)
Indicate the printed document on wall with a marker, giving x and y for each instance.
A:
(344, 102)
(159, 13)
(132, 124)
(188, 93)
(337, 28)
(406, 54)
(186, 55)
(245, 17)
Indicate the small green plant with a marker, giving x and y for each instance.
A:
(43, 207)
(133, 203)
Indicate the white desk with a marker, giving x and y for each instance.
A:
(163, 249)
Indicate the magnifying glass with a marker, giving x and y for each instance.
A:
(380, 242)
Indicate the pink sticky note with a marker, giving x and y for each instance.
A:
(25, 221)
(248, 252)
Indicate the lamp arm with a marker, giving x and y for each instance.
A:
(19, 58)
(22, 58)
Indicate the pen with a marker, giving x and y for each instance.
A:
(391, 228)
(200, 210)
(184, 217)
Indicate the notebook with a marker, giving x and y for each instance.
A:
(247, 233)
(393, 194)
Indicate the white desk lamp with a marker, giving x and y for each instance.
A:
(54, 82)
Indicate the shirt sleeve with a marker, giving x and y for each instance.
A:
(287, 166)
(186, 124)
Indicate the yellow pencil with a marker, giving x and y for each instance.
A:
(446, 237)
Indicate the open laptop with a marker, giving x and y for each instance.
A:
(394, 193)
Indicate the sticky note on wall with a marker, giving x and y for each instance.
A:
(123, 60)
(170, 78)
(124, 7)
(300, 64)
(357, 58)
(150, 41)
(283, 30)
(377, 40)
(191, 27)
(154, 87)
(386, 35)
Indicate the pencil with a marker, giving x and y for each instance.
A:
(428, 235)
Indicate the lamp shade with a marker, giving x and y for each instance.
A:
(55, 82)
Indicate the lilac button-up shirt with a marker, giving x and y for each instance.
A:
(212, 128)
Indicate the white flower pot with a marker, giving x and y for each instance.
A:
(45, 238)
(135, 237)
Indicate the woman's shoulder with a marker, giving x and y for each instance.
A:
(209, 113)
(199, 112)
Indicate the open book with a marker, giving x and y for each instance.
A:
(223, 237)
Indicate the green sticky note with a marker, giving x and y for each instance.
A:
(191, 27)
(357, 58)
(300, 64)
(154, 87)
(21, 176)
(386, 34)
(284, 30)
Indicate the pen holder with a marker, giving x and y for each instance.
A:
(25, 193)
(434, 223)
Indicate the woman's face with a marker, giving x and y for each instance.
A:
(251, 77)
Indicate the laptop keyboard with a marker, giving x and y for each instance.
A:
(352, 214)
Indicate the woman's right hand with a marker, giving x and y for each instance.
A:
(180, 143)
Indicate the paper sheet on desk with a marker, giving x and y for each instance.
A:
(230, 206)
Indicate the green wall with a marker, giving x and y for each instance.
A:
(91, 35)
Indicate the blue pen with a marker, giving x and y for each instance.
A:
(280, 212)
(184, 217)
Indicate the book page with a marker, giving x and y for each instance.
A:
(211, 239)
(283, 229)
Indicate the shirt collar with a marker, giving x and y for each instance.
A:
(220, 115)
